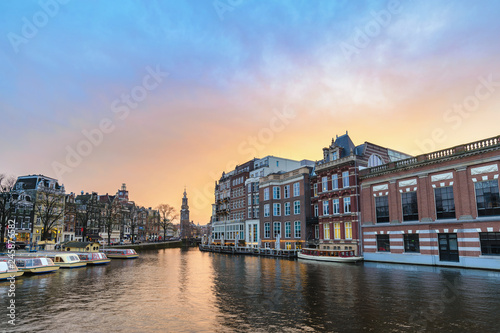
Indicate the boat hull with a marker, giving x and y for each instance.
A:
(6, 275)
(329, 259)
(125, 256)
(98, 262)
(40, 270)
(71, 264)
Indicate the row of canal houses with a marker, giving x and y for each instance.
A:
(440, 208)
(43, 211)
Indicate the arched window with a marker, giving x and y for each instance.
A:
(374, 161)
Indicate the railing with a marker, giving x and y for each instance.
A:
(482, 144)
(323, 165)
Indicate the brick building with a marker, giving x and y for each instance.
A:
(336, 190)
(440, 208)
(285, 208)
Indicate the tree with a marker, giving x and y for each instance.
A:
(7, 204)
(49, 207)
(133, 221)
(87, 213)
(167, 214)
(111, 215)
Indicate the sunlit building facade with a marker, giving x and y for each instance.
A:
(336, 190)
(440, 208)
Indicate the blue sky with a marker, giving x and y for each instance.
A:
(231, 65)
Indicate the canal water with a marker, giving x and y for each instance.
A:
(176, 290)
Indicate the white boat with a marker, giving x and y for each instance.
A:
(329, 255)
(117, 253)
(61, 259)
(8, 269)
(93, 258)
(30, 265)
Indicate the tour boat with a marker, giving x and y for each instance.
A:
(61, 259)
(93, 258)
(328, 255)
(120, 253)
(30, 265)
(8, 269)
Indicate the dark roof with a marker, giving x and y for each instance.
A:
(345, 142)
(78, 244)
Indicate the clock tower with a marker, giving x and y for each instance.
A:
(185, 224)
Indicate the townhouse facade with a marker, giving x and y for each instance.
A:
(39, 208)
(440, 208)
(286, 209)
(336, 190)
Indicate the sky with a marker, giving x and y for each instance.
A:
(166, 95)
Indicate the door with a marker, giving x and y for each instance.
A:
(448, 247)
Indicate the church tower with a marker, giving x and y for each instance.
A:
(185, 225)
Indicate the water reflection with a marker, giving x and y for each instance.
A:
(176, 290)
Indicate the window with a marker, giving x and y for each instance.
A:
(316, 210)
(347, 205)
(276, 192)
(287, 208)
(256, 212)
(336, 206)
(487, 199)
(266, 210)
(336, 229)
(348, 230)
(266, 193)
(333, 156)
(296, 189)
(288, 230)
(297, 229)
(382, 209)
(277, 229)
(383, 244)
(345, 179)
(445, 203)
(490, 243)
(315, 187)
(412, 243)
(267, 230)
(276, 209)
(374, 161)
(249, 200)
(410, 208)
(316, 231)
(287, 191)
(249, 212)
(326, 231)
(335, 182)
(326, 208)
(324, 182)
(296, 207)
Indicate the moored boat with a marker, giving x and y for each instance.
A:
(8, 269)
(30, 265)
(61, 259)
(93, 258)
(120, 253)
(329, 255)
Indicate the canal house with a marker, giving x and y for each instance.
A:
(335, 195)
(440, 208)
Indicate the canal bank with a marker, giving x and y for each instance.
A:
(148, 246)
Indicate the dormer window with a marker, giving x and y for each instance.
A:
(333, 156)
